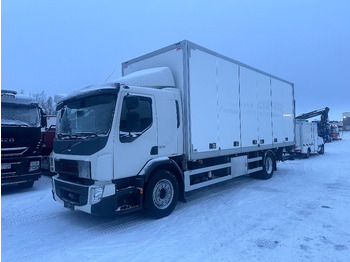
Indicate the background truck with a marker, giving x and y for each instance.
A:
(335, 132)
(21, 121)
(179, 119)
(307, 139)
(323, 125)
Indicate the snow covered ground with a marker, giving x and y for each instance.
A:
(301, 214)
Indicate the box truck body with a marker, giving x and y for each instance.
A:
(181, 118)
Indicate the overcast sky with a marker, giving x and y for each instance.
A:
(59, 46)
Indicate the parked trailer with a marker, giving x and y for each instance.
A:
(179, 119)
(307, 139)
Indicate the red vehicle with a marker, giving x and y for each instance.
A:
(335, 132)
(47, 136)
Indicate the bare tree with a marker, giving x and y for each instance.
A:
(50, 106)
(46, 103)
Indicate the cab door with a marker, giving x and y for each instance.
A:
(136, 140)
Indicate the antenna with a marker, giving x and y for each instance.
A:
(110, 75)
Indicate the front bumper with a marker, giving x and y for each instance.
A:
(98, 198)
(19, 170)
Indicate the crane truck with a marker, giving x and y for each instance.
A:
(323, 124)
(179, 119)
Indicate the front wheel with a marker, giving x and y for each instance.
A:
(162, 192)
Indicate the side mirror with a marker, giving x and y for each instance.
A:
(43, 121)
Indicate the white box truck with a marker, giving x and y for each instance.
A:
(178, 119)
(307, 139)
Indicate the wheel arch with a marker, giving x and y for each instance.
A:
(165, 164)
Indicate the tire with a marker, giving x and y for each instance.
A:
(161, 194)
(269, 164)
(321, 152)
(307, 155)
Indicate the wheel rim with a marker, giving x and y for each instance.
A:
(268, 165)
(163, 194)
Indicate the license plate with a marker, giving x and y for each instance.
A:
(68, 205)
(5, 166)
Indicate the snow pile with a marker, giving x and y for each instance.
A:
(301, 214)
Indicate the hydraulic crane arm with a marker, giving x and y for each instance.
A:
(321, 112)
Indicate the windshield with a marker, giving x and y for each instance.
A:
(87, 116)
(20, 115)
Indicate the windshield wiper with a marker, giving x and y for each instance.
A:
(86, 134)
(78, 135)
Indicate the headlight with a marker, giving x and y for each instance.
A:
(96, 194)
(34, 165)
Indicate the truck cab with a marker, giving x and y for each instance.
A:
(21, 121)
(109, 136)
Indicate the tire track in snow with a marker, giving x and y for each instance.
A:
(77, 235)
(29, 220)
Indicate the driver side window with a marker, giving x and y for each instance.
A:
(136, 117)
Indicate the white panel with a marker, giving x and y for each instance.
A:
(277, 111)
(203, 101)
(239, 166)
(264, 109)
(228, 105)
(249, 114)
(298, 134)
(167, 124)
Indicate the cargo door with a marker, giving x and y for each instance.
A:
(278, 97)
(288, 112)
(307, 137)
(298, 135)
(228, 105)
(248, 102)
(203, 102)
(264, 110)
(314, 137)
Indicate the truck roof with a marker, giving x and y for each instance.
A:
(18, 99)
(153, 77)
(185, 44)
(89, 90)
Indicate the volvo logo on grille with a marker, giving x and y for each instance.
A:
(7, 140)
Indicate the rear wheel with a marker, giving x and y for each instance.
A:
(307, 155)
(321, 152)
(162, 192)
(269, 164)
